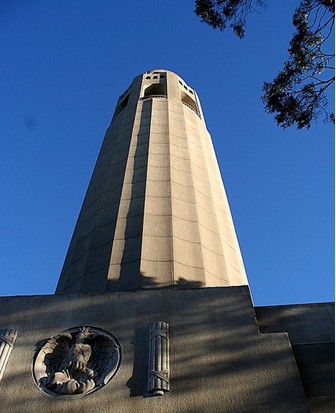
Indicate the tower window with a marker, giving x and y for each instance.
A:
(188, 101)
(122, 105)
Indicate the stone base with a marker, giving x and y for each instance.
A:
(219, 360)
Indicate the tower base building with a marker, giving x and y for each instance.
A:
(221, 357)
(153, 312)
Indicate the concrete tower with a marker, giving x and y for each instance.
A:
(155, 213)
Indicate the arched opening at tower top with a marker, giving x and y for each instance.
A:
(188, 101)
(156, 89)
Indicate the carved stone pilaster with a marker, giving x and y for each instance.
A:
(7, 340)
(158, 366)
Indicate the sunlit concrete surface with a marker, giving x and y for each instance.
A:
(155, 213)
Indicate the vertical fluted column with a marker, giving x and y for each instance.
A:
(158, 366)
(7, 340)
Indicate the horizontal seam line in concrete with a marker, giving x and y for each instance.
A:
(148, 260)
(199, 243)
(150, 196)
(178, 183)
(133, 181)
(154, 196)
(160, 215)
(129, 183)
(73, 262)
(121, 263)
(201, 268)
(130, 216)
(161, 180)
(137, 168)
(199, 206)
(183, 219)
(90, 217)
(158, 180)
(99, 197)
(74, 283)
(121, 197)
(132, 198)
(183, 147)
(191, 173)
(147, 213)
(109, 191)
(107, 223)
(160, 167)
(96, 270)
(216, 276)
(124, 262)
(156, 236)
(235, 268)
(127, 238)
(161, 143)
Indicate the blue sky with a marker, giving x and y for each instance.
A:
(63, 65)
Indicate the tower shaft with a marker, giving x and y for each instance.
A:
(155, 213)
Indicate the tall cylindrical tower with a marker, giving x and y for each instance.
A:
(155, 213)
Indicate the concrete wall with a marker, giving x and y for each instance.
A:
(219, 360)
(311, 330)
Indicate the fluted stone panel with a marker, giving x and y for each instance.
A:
(155, 213)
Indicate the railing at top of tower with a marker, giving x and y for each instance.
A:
(154, 96)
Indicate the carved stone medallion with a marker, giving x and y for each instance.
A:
(76, 362)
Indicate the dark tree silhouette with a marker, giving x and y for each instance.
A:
(296, 96)
(220, 13)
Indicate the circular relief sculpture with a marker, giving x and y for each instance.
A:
(76, 362)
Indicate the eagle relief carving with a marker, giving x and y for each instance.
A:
(76, 361)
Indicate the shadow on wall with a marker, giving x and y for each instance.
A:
(129, 278)
(219, 360)
(148, 283)
(311, 330)
(138, 382)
